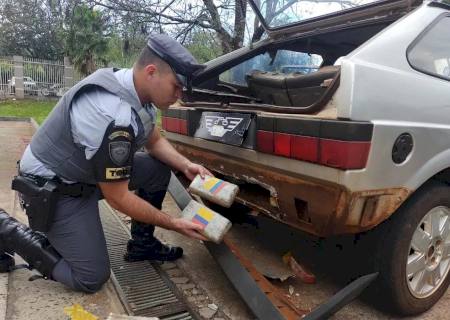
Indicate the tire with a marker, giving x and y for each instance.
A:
(45, 92)
(424, 257)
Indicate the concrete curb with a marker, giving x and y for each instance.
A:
(24, 119)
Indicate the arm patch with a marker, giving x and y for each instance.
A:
(113, 161)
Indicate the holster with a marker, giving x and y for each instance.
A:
(38, 201)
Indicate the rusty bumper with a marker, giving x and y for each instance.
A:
(314, 206)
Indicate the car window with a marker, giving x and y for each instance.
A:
(430, 53)
(283, 13)
(285, 62)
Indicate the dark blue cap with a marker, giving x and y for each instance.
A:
(173, 53)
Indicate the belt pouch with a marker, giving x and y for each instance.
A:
(39, 202)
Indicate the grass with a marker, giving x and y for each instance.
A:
(35, 109)
(27, 108)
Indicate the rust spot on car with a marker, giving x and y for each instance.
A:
(314, 206)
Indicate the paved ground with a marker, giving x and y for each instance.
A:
(197, 275)
(204, 271)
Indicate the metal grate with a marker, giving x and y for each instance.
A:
(143, 287)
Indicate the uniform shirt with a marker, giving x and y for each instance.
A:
(90, 115)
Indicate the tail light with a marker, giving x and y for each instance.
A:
(338, 144)
(175, 121)
(175, 125)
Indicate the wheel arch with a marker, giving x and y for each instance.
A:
(437, 168)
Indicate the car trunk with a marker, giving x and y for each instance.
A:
(279, 138)
(285, 165)
(289, 93)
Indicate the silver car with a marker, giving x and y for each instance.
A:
(359, 145)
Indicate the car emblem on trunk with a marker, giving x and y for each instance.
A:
(218, 126)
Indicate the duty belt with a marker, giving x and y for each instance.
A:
(77, 189)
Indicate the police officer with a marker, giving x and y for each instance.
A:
(89, 147)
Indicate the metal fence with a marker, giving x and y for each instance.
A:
(43, 77)
(31, 77)
(6, 74)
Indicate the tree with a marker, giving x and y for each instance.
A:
(29, 28)
(86, 42)
(203, 45)
(181, 18)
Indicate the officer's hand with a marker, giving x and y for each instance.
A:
(193, 169)
(188, 228)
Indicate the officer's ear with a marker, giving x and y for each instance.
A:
(150, 69)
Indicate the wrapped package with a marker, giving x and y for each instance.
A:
(215, 225)
(214, 190)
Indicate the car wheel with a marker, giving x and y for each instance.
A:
(414, 253)
(45, 92)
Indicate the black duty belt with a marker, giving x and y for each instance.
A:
(77, 189)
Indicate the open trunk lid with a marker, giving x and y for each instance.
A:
(280, 18)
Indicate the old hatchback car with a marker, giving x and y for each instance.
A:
(358, 141)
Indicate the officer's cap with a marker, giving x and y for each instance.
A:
(178, 57)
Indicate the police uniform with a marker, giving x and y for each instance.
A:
(94, 135)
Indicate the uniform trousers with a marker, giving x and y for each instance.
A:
(77, 234)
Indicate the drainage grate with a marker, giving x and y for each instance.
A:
(143, 287)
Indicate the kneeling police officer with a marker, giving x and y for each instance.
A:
(89, 148)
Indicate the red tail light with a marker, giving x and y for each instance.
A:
(282, 145)
(264, 141)
(344, 154)
(332, 153)
(175, 125)
(341, 144)
(305, 148)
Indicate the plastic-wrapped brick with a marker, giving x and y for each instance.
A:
(214, 190)
(215, 225)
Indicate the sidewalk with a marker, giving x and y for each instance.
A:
(21, 299)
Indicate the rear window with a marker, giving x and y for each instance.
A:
(285, 61)
(430, 53)
(283, 13)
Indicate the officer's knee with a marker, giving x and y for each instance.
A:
(162, 171)
(165, 174)
(94, 282)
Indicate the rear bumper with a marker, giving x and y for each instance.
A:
(312, 205)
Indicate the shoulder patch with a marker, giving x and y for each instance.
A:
(116, 134)
(119, 151)
(118, 173)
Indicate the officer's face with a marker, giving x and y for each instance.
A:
(164, 87)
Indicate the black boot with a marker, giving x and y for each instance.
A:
(6, 255)
(143, 245)
(6, 263)
(32, 246)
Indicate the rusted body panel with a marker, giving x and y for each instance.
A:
(314, 206)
